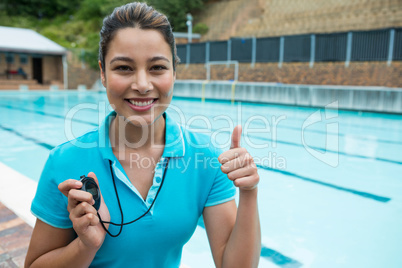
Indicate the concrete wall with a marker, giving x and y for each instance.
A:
(81, 75)
(323, 73)
(52, 70)
(374, 99)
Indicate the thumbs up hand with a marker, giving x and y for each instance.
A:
(238, 164)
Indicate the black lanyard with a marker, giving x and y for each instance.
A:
(118, 201)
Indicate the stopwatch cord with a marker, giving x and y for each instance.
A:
(118, 201)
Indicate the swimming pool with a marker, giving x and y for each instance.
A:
(330, 193)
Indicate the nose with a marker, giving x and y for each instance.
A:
(141, 82)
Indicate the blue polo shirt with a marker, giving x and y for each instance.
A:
(193, 181)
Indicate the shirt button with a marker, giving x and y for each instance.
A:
(158, 179)
(150, 200)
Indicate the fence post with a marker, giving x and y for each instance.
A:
(206, 52)
(349, 49)
(312, 51)
(391, 46)
(187, 55)
(253, 51)
(229, 55)
(65, 71)
(236, 74)
(281, 50)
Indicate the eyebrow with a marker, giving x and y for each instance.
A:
(127, 59)
(121, 59)
(159, 58)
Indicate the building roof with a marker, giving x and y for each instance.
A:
(27, 41)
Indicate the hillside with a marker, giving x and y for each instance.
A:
(260, 18)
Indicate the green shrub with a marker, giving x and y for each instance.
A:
(200, 28)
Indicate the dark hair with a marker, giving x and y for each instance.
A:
(135, 15)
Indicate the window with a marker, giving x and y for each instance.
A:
(23, 59)
(10, 58)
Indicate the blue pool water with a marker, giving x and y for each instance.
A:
(330, 193)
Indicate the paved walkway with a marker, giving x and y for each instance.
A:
(14, 239)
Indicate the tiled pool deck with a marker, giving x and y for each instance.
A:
(16, 221)
(14, 239)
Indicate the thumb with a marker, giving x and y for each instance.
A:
(236, 135)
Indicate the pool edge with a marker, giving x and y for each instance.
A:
(17, 192)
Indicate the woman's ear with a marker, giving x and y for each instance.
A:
(103, 78)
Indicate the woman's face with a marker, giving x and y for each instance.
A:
(139, 75)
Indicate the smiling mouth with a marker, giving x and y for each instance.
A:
(141, 103)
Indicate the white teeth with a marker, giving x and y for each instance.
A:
(141, 103)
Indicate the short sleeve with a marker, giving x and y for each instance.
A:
(49, 204)
(222, 189)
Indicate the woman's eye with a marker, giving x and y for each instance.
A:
(158, 68)
(123, 68)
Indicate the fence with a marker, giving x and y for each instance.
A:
(376, 45)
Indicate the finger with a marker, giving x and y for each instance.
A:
(247, 183)
(236, 136)
(237, 163)
(83, 216)
(241, 173)
(84, 221)
(89, 219)
(231, 154)
(67, 185)
(81, 209)
(76, 197)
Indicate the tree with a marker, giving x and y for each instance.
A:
(40, 8)
(176, 11)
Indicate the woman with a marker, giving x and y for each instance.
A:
(150, 225)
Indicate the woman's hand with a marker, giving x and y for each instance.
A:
(235, 233)
(83, 215)
(238, 164)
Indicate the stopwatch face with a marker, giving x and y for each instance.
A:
(89, 185)
(92, 189)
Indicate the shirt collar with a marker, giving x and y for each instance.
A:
(104, 142)
(174, 141)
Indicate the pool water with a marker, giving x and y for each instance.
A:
(330, 193)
